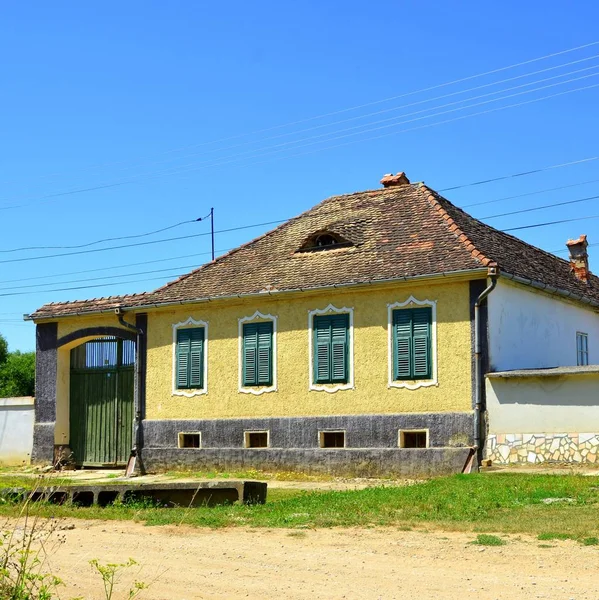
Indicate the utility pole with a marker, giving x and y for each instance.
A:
(212, 230)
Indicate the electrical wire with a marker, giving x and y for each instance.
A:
(526, 210)
(112, 239)
(297, 143)
(179, 238)
(536, 192)
(552, 223)
(372, 103)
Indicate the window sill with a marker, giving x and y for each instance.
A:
(257, 391)
(412, 384)
(330, 387)
(190, 393)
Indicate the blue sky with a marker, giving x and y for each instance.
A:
(181, 106)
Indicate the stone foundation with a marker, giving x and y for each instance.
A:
(536, 448)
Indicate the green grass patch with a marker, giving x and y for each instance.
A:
(555, 536)
(590, 541)
(251, 474)
(486, 539)
(483, 503)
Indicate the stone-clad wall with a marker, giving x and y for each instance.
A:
(506, 448)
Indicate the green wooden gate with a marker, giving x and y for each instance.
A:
(101, 401)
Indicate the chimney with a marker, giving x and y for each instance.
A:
(391, 180)
(579, 258)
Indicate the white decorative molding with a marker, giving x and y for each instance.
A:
(190, 322)
(411, 301)
(331, 387)
(257, 391)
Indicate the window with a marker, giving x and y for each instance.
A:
(257, 354)
(324, 240)
(256, 439)
(411, 338)
(189, 353)
(582, 349)
(190, 440)
(332, 439)
(413, 439)
(331, 348)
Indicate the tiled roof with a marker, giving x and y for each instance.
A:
(397, 232)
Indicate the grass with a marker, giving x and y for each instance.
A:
(481, 503)
(486, 539)
(251, 474)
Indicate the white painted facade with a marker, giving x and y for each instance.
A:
(16, 430)
(530, 329)
(568, 403)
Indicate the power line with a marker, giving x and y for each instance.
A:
(86, 287)
(552, 223)
(111, 268)
(182, 237)
(297, 143)
(553, 189)
(113, 239)
(522, 174)
(566, 249)
(526, 210)
(51, 283)
(372, 103)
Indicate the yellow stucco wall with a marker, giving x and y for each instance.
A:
(371, 393)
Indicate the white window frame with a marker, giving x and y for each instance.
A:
(246, 438)
(190, 323)
(261, 318)
(412, 302)
(321, 433)
(582, 349)
(179, 438)
(331, 387)
(400, 437)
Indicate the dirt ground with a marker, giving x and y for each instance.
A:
(183, 563)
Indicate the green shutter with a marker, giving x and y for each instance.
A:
(412, 343)
(331, 348)
(257, 354)
(190, 358)
(402, 344)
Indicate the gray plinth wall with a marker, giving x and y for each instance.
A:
(371, 444)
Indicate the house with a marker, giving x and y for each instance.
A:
(366, 335)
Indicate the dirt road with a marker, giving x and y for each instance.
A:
(183, 563)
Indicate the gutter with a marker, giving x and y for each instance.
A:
(141, 307)
(137, 424)
(478, 374)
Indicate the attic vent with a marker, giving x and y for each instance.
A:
(324, 240)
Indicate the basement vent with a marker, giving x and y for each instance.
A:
(190, 440)
(256, 439)
(332, 439)
(413, 439)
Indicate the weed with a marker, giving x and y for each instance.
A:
(590, 541)
(109, 573)
(555, 536)
(546, 546)
(297, 534)
(484, 539)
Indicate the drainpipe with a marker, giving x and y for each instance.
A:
(478, 373)
(136, 399)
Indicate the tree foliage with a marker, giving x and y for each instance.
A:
(17, 372)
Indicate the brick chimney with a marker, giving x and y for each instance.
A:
(391, 180)
(579, 258)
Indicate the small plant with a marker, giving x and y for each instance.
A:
(590, 541)
(555, 536)
(484, 539)
(109, 573)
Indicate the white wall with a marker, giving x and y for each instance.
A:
(530, 329)
(16, 430)
(565, 404)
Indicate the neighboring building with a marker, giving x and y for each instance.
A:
(16, 430)
(352, 338)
